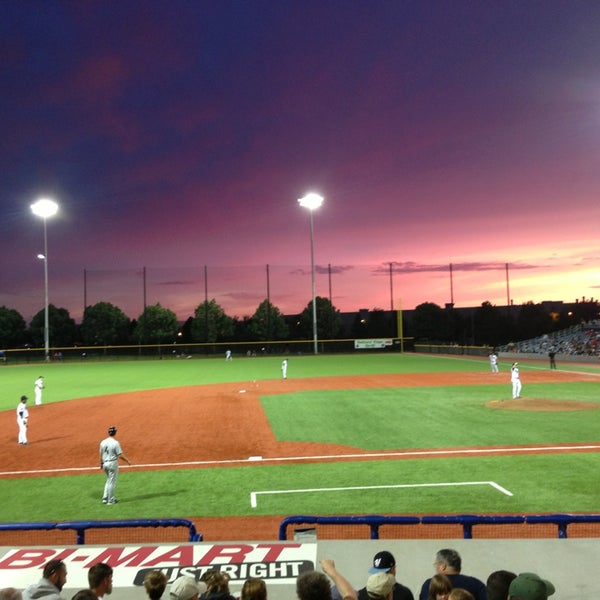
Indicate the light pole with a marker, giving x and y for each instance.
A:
(312, 201)
(45, 208)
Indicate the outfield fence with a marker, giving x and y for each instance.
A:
(441, 526)
(178, 351)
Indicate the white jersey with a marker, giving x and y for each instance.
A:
(22, 413)
(514, 373)
(110, 449)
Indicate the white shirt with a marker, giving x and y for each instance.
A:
(514, 373)
(22, 412)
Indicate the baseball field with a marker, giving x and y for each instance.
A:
(235, 448)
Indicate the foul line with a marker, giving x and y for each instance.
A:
(331, 457)
(254, 503)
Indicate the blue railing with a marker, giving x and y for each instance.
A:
(374, 522)
(80, 527)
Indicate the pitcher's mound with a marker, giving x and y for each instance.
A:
(542, 404)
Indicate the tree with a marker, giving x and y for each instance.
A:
(533, 320)
(104, 324)
(490, 325)
(329, 322)
(62, 328)
(13, 329)
(268, 323)
(156, 325)
(211, 324)
(430, 322)
(375, 323)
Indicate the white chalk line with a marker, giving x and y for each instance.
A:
(329, 457)
(254, 495)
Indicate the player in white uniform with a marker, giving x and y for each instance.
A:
(38, 386)
(22, 419)
(515, 380)
(494, 362)
(110, 453)
(284, 365)
(228, 355)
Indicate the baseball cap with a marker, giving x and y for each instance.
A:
(112, 430)
(24, 398)
(383, 562)
(379, 585)
(529, 586)
(184, 588)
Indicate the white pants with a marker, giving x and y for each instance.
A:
(516, 385)
(22, 432)
(111, 468)
(38, 396)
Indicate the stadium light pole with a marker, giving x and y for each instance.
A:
(312, 201)
(45, 209)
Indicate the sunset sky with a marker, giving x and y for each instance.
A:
(179, 135)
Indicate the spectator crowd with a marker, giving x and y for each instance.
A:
(448, 582)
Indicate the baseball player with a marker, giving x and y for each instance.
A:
(110, 453)
(515, 380)
(284, 366)
(228, 355)
(22, 419)
(38, 386)
(494, 362)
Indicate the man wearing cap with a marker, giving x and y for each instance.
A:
(184, 588)
(529, 586)
(384, 562)
(22, 420)
(448, 562)
(110, 453)
(380, 586)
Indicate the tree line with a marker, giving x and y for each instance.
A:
(105, 324)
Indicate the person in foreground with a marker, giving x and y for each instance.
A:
(529, 586)
(497, 584)
(312, 585)
(449, 563)
(100, 579)
(155, 584)
(184, 588)
(384, 562)
(49, 587)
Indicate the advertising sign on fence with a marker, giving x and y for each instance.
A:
(374, 344)
(276, 563)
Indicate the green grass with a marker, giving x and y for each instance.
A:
(543, 483)
(374, 420)
(429, 417)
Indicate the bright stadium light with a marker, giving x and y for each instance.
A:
(312, 201)
(45, 209)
